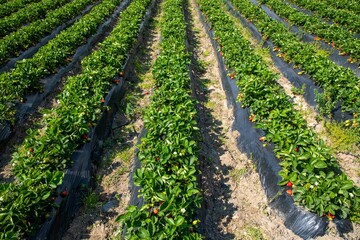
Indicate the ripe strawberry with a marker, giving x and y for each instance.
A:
(157, 158)
(117, 81)
(330, 216)
(64, 193)
(351, 60)
(296, 149)
(156, 211)
(289, 184)
(31, 149)
(102, 100)
(289, 192)
(147, 93)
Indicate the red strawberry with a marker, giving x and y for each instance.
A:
(289, 192)
(117, 81)
(156, 211)
(147, 93)
(102, 100)
(296, 149)
(289, 184)
(31, 149)
(330, 216)
(64, 193)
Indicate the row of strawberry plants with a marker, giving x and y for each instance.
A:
(56, 53)
(309, 170)
(332, 34)
(350, 5)
(339, 83)
(26, 15)
(28, 36)
(13, 6)
(3, 1)
(168, 152)
(39, 162)
(350, 21)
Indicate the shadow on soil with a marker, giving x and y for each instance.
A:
(216, 211)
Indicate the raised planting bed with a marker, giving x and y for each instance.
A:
(167, 175)
(339, 84)
(301, 179)
(26, 77)
(40, 162)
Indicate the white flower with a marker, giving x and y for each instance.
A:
(183, 210)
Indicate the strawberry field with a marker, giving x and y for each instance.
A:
(179, 119)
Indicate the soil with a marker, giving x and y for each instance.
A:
(112, 175)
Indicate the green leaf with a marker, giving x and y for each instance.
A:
(320, 164)
(347, 185)
(179, 220)
(144, 233)
(46, 196)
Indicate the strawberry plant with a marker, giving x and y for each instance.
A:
(340, 84)
(26, 15)
(168, 152)
(14, 5)
(39, 162)
(350, 5)
(26, 37)
(350, 21)
(28, 72)
(332, 34)
(310, 174)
